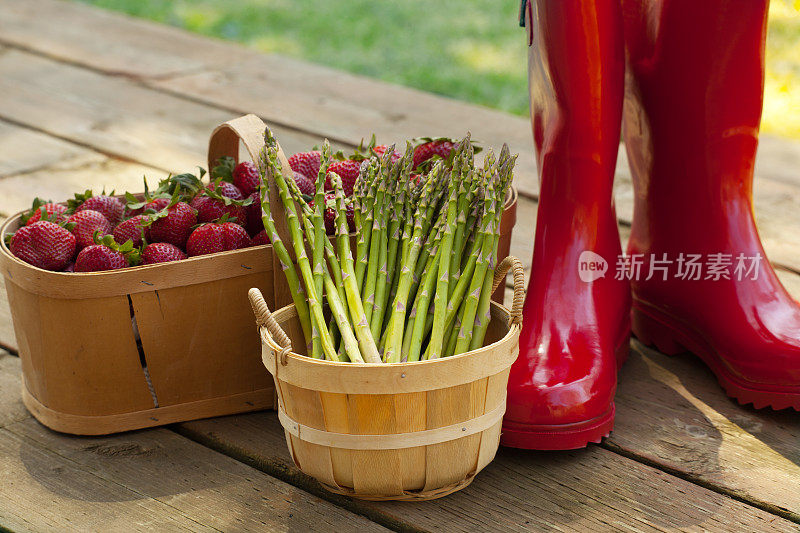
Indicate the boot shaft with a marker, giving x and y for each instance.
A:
(695, 79)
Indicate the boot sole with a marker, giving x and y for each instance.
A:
(558, 436)
(654, 328)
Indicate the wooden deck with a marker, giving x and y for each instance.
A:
(93, 99)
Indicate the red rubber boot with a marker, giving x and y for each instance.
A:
(692, 112)
(561, 388)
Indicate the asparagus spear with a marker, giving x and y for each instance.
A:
(435, 347)
(470, 306)
(394, 342)
(319, 235)
(376, 319)
(318, 325)
(376, 242)
(483, 316)
(362, 216)
(366, 342)
(349, 342)
(298, 295)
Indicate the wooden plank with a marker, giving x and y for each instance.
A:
(11, 408)
(520, 491)
(25, 150)
(8, 339)
(300, 95)
(671, 412)
(114, 115)
(55, 481)
(115, 43)
(60, 181)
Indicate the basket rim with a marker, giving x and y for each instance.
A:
(290, 310)
(390, 378)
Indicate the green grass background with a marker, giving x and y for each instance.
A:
(471, 50)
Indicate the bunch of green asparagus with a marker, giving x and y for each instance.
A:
(417, 284)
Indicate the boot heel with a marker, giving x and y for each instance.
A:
(652, 332)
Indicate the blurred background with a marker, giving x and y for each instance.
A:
(470, 50)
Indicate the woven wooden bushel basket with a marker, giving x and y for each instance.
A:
(404, 431)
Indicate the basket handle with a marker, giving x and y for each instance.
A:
(500, 272)
(224, 141)
(264, 319)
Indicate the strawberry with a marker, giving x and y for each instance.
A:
(246, 177)
(306, 185)
(136, 207)
(173, 224)
(161, 252)
(226, 189)
(52, 212)
(210, 209)
(106, 254)
(69, 268)
(110, 207)
(254, 223)
(330, 213)
(132, 229)
(306, 163)
(187, 184)
(348, 170)
(99, 257)
(44, 245)
(440, 146)
(260, 238)
(156, 205)
(87, 222)
(213, 238)
(380, 150)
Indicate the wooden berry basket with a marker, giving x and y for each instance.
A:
(113, 351)
(405, 431)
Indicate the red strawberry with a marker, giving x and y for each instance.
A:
(254, 223)
(330, 213)
(99, 257)
(87, 222)
(132, 229)
(161, 252)
(431, 147)
(53, 212)
(307, 163)
(306, 185)
(226, 189)
(246, 177)
(210, 209)
(213, 238)
(348, 170)
(381, 150)
(260, 238)
(110, 207)
(174, 224)
(153, 204)
(156, 205)
(44, 245)
(69, 268)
